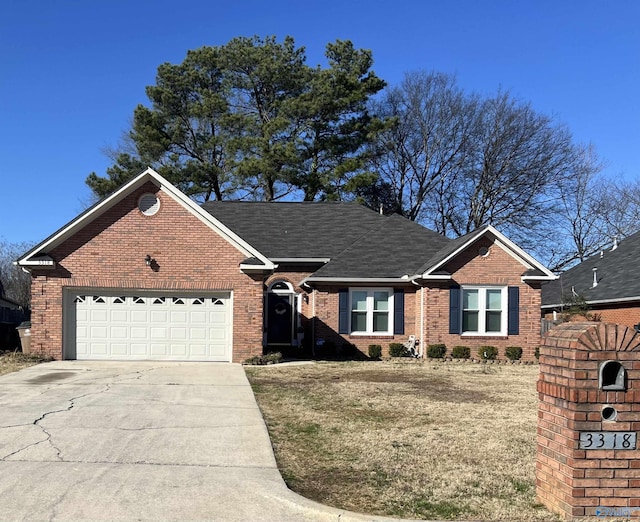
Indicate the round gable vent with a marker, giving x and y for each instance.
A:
(149, 204)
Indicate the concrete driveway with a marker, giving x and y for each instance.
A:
(140, 441)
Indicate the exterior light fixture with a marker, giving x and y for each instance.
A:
(148, 260)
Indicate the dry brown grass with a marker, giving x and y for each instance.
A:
(14, 361)
(407, 438)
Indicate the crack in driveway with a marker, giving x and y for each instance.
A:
(72, 403)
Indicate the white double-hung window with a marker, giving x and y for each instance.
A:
(371, 311)
(484, 310)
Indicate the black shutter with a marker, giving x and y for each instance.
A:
(454, 310)
(398, 311)
(513, 323)
(343, 311)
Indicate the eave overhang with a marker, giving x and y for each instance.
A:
(524, 279)
(301, 260)
(42, 261)
(357, 280)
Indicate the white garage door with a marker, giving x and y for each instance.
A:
(152, 326)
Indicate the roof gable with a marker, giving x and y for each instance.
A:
(434, 268)
(37, 256)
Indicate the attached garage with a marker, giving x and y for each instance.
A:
(108, 325)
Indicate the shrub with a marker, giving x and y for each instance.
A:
(487, 353)
(436, 351)
(461, 352)
(375, 351)
(259, 360)
(513, 353)
(398, 350)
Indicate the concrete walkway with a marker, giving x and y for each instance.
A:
(140, 441)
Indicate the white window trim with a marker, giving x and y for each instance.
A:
(482, 309)
(369, 310)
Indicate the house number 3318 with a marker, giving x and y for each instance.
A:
(592, 440)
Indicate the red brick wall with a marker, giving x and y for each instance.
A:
(571, 481)
(294, 275)
(628, 315)
(326, 324)
(497, 268)
(625, 314)
(110, 252)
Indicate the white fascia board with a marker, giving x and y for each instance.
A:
(256, 268)
(41, 261)
(323, 260)
(102, 206)
(538, 278)
(524, 256)
(433, 277)
(506, 244)
(355, 280)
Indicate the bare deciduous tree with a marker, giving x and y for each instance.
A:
(14, 282)
(427, 145)
(458, 161)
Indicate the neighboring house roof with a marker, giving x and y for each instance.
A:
(617, 280)
(5, 302)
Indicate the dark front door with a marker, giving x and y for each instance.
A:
(279, 319)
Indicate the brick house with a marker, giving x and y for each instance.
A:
(605, 285)
(148, 274)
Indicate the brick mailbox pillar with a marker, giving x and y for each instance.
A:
(588, 461)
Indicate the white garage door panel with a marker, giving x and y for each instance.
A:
(155, 327)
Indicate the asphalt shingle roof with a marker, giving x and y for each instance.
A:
(395, 248)
(616, 276)
(296, 229)
(359, 241)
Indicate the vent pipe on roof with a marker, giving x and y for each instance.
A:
(595, 277)
(615, 242)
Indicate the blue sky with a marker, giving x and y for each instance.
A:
(72, 71)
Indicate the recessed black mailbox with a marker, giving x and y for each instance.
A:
(612, 376)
